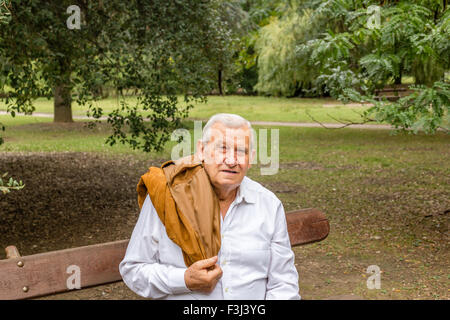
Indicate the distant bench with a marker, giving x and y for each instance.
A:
(48, 273)
(392, 94)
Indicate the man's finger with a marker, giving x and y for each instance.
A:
(202, 264)
(216, 272)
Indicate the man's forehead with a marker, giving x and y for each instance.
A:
(220, 132)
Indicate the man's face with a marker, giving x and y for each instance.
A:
(227, 155)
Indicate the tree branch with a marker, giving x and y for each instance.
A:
(345, 123)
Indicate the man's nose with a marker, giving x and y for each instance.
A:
(231, 158)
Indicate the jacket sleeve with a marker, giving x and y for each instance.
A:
(282, 282)
(140, 268)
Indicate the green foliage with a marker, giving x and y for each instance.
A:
(406, 40)
(426, 109)
(380, 67)
(232, 25)
(160, 49)
(281, 70)
(355, 58)
(5, 14)
(259, 13)
(9, 185)
(4, 18)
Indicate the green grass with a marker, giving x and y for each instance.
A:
(31, 134)
(329, 148)
(251, 108)
(278, 109)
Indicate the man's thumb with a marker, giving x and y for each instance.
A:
(206, 263)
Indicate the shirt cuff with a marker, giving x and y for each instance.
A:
(176, 280)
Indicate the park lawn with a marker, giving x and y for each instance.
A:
(325, 110)
(386, 197)
(32, 134)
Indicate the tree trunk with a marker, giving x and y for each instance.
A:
(219, 82)
(398, 78)
(62, 104)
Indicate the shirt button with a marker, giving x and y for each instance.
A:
(226, 289)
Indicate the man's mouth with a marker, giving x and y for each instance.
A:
(230, 171)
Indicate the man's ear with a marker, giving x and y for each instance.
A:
(199, 154)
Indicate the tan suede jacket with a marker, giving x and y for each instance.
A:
(187, 205)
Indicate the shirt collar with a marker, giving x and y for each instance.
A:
(245, 193)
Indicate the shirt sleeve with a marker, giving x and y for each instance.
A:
(140, 269)
(282, 282)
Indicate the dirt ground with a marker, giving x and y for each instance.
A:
(70, 200)
(73, 199)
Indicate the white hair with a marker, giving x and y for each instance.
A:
(229, 120)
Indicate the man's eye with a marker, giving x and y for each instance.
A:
(221, 149)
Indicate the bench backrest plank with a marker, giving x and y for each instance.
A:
(307, 226)
(47, 273)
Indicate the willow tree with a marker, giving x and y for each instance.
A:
(260, 13)
(281, 71)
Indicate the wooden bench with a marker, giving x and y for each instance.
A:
(392, 94)
(48, 273)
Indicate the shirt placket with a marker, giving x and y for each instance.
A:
(225, 255)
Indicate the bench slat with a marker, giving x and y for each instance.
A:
(46, 273)
(307, 226)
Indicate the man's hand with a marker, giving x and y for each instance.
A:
(203, 275)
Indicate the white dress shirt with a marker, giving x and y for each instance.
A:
(255, 254)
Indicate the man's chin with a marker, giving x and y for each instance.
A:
(230, 180)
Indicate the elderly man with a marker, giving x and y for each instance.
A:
(253, 257)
